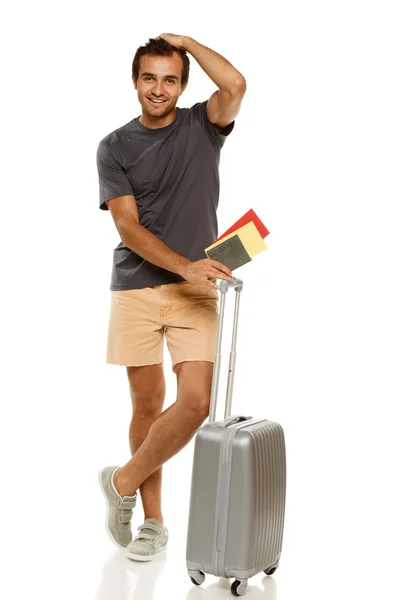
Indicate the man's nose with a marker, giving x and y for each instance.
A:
(158, 89)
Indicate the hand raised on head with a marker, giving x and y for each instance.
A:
(174, 40)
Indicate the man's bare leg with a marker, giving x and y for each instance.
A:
(173, 429)
(147, 388)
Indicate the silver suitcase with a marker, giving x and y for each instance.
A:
(237, 501)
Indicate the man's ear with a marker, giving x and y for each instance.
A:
(184, 88)
(134, 82)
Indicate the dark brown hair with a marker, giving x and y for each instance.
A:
(160, 48)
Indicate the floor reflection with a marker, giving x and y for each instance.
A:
(125, 579)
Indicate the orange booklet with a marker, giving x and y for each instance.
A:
(249, 216)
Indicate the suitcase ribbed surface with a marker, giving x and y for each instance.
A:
(270, 466)
(237, 504)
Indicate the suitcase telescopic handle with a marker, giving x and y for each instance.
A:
(237, 284)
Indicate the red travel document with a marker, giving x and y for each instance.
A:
(249, 216)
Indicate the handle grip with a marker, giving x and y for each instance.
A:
(237, 284)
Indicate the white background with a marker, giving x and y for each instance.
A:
(315, 152)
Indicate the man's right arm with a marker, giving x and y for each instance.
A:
(147, 245)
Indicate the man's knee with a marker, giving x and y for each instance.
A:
(194, 387)
(196, 407)
(146, 413)
(147, 388)
(204, 408)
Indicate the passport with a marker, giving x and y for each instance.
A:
(230, 252)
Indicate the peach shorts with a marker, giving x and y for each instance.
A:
(187, 313)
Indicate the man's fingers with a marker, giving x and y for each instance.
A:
(215, 274)
(211, 284)
(220, 267)
(220, 274)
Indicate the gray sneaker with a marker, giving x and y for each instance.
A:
(119, 510)
(152, 538)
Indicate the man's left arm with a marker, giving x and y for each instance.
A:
(224, 104)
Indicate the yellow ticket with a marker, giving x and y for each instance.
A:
(250, 238)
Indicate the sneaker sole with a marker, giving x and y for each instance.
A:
(142, 558)
(110, 535)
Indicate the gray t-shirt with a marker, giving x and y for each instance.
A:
(173, 174)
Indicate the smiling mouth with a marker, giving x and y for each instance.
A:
(156, 101)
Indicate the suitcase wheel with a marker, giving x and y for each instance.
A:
(270, 571)
(197, 577)
(238, 588)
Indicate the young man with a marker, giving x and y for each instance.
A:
(159, 178)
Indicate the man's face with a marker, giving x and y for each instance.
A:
(159, 84)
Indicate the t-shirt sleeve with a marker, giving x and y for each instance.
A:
(200, 110)
(113, 181)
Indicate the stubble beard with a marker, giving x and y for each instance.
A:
(157, 113)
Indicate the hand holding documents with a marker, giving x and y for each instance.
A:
(239, 243)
